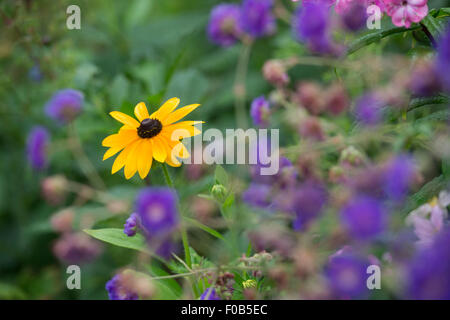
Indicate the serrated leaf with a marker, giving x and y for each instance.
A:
(433, 25)
(118, 238)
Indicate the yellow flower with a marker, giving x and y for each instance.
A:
(157, 136)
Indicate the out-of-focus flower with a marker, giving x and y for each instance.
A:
(346, 274)
(37, 144)
(54, 188)
(156, 136)
(65, 105)
(429, 272)
(364, 218)
(399, 175)
(76, 248)
(309, 95)
(157, 211)
(202, 208)
(424, 80)
(286, 175)
(309, 200)
(62, 220)
(443, 59)
(336, 99)
(311, 25)
(311, 128)
(343, 6)
(428, 219)
(260, 111)
(210, 294)
(355, 17)
(368, 109)
(405, 12)
(224, 24)
(351, 157)
(130, 227)
(257, 18)
(273, 238)
(379, 3)
(118, 288)
(274, 72)
(257, 195)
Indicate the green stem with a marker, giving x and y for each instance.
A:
(166, 175)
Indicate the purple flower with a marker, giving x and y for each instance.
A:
(224, 24)
(429, 271)
(368, 109)
(157, 211)
(131, 225)
(308, 202)
(355, 17)
(399, 175)
(76, 248)
(37, 144)
(443, 59)
(257, 18)
(260, 111)
(311, 26)
(210, 294)
(257, 195)
(118, 290)
(346, 275)
(364, 218)
(65, 105)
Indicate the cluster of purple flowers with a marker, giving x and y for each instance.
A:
(63, 107)
(229, 22)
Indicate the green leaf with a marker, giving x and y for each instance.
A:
(221, 176)
(376, 36)
(204, 228)
(446, 168)
(419, 102)
(116, 237)
(429, 190)
(434, 26)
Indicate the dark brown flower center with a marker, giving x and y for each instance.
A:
(149, 128)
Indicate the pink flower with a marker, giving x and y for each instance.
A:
(404, 12)
(426, 229)
(342, 5)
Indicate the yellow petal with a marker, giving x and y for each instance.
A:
(131, 163)
(122, 158)
(141, 112)
(159, 150)
(125, 119)
(176, 132)
(165, 109)
(171, 160)
(145, 159)
(179, 114)
(111, 151)
(122, 138)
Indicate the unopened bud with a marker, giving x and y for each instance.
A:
(274, 72)
(219, 192)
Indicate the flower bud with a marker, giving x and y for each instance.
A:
(336, 99)
(309, 96)
(351, 156)
(219, 192)
(62, 221)
(274, 72)
(54, 189)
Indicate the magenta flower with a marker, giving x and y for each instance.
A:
(404, 12)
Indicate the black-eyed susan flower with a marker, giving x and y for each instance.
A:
(153, 136)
